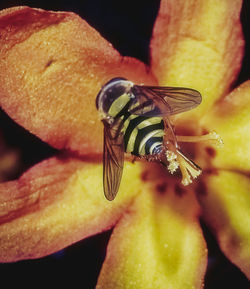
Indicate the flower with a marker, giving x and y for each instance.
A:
(52, 67)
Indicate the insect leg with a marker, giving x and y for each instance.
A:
(169, 125)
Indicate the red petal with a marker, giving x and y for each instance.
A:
(52, 66)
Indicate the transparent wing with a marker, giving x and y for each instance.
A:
(163, 101)
(113, 159)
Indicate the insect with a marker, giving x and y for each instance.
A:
(135, 119)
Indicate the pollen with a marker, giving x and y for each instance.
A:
(172, 159)
(171, 156)
(216, 138)
(173, 166)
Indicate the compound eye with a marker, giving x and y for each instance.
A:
(111, 91)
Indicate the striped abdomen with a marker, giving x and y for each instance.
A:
(142, 135)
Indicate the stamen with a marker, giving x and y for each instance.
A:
(211, 137)
(176, 158)
(188, 169)
(173, 166)
(172, 159)
(171, 156)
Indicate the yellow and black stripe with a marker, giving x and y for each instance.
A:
(143, 135)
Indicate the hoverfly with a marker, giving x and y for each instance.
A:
(135, 118)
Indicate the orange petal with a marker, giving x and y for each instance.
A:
(226, 208)
(52, 66)
(57, 203)
(158, 243)
(198, 44)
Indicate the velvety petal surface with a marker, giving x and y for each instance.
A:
(226, 208)
(230, 118)
(158, 242)
(198, 44)
(225, 199)
(52, 66)
(57, 203)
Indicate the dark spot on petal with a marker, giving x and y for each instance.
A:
(144, 176)
(201, 188)
(161, 188)
(49, 63)
(205, 131)
(234, 241)
(211, 151)
(179, 190)
(211, 171)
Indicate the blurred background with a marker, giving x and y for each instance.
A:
(128, 26)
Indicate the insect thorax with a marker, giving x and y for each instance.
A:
(143, 135)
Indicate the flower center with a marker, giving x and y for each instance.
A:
(176, 158)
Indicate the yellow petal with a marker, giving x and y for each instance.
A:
(226, 208)
(56, 203)
(158, 243)
(230, 118)
(198, 44)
